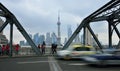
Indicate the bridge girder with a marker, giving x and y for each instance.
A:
(12, 20)
(106, 12)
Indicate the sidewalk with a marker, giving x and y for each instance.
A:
(17, 56)
(32, 55)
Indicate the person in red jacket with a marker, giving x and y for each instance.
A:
(17, 49)
(3, 49)
(43, 47)
(7, 49)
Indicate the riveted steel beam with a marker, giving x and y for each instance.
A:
(99, 15)
(11, 19)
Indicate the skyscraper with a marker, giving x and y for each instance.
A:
(41, 39)
(59, 35)
(69, 31)
(1, 23)
(48, 39)
(77, 38)
(36, 38)
(54, 38)
(3, 39)
(88, 37)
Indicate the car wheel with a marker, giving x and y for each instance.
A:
(67, 57)
(102, 63)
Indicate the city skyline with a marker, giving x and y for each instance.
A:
(41, 16)
(51, 37)
(37, 38)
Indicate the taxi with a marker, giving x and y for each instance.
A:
(76, 51)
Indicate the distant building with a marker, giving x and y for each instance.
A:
(48, 39)
(1, 23)
(81, 39)
(54, 38)
(3, 39)
(41, 39)
(77, 38)
(69, 31)
(88, 37)
(36, 38)
(22, 43)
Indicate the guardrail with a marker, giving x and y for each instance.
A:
(27, 50)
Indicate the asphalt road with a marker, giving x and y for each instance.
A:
(48, 63)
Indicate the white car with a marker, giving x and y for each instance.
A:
(76, 51)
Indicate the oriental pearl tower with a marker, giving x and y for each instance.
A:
(58, 24)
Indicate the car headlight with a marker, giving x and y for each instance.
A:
(60, 53)
(90, 59)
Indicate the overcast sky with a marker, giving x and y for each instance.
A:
(40, 16)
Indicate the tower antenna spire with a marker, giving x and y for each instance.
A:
(59, 33)
(58, 15)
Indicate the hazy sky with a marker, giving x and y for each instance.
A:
(40, 16)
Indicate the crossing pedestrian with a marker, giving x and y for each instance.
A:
(7, 49)
(43, 47)
(53, 48)
(0, 49)
(3, 50)
(17, 49)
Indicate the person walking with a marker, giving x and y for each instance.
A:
(3, 50)
(53, 48)
(7, 49)
(0, 50)
(39, 46)
(43, 47)
(17, 49)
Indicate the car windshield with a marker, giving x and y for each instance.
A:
(81, 49)
(70, 48)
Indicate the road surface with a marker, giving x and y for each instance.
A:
(48, 63)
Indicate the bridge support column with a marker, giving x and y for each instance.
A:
(84, 35)
(11, 38)
(94, 36)
(110, 33)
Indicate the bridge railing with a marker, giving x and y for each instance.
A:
(27, 50)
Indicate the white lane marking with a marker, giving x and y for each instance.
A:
(81, 64)
(26, 62)
(53, 65)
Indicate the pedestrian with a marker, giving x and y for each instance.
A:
(43, 47)
(17, 49)
(39, 47)
(7, 49)
(53, 48)
(3, 50)
(0, 49)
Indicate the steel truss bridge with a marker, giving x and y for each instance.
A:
(110, 12)
(12, 20)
